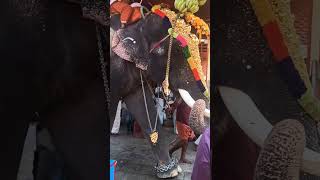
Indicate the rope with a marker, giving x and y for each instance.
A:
(165, 83)
(141, 11)
(158, 43)
(145, 104)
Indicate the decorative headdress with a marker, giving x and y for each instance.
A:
(188, 41)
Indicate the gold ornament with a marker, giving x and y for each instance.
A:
(184, 30)
(165, 86)
(154, 137)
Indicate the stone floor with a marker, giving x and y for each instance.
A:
(135, 159)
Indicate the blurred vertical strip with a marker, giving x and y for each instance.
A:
(302, 10)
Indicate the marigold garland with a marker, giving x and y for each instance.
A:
(201, 27)
(278, 27)
(190, 44)
(285, 18)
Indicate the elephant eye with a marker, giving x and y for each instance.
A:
(131, 39)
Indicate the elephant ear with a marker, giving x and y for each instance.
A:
(118, 48)
(126, 46)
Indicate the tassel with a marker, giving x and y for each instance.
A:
(182, 40)
(201, 86)
(186, 52)
(291, 76)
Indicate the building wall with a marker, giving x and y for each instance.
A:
(204, 57)
(302, 10)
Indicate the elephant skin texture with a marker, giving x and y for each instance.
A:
(281, 155)
(196, 119)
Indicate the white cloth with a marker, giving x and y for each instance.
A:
(198, 140)
(117, 120)
(174, 118)
(112, 1)
(135, 5)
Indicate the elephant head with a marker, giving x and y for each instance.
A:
(129, 44)
(146, 42)
(259, 86)
(181, 77)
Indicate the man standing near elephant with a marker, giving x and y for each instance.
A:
(160, 104)
(185, 133)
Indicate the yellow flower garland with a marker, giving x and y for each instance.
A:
(201, 27)
(285, 19)
(183, 29)
(280, 11)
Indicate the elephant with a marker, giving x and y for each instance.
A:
(57, 74)
(253, 89)
(50, 65)
(125, 79)
(54, 72)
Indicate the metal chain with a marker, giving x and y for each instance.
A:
(169, 57)
(146, 106)
(103, 68)
(165, 84)
(165, 167)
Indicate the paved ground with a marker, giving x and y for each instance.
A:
(135, 159)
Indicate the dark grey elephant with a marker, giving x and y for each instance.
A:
(49, 65)
(253, 93)
(137, 40)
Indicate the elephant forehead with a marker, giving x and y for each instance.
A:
(120, 50)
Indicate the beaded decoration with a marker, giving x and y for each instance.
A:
(189, 43)
(282, 39)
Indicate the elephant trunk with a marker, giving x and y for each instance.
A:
(196, 119)
(282, 153)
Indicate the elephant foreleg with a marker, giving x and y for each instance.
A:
(135, 104)
(79, 133)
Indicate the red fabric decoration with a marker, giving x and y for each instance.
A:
(159, 13)
(275, 40)
(196, 74)
(183, 42)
